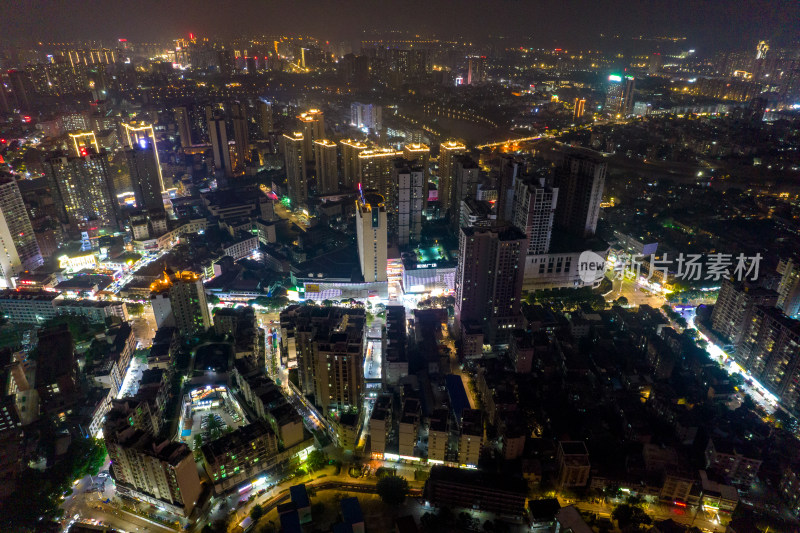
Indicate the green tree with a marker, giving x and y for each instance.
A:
(630, 515)
(392, 490)
(256, 513)
(622, 301)
(135, 309)
(315, 460)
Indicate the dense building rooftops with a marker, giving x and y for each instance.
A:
(38, 296)
(237, 438)
(490, 481)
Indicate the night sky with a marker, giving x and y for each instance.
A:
(709, 25)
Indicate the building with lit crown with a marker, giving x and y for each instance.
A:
(179, 300)
(372, 235)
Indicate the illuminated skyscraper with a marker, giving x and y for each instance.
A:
(312, 123)
(143, 136)
(82, 191)
(265, 123)
(295, 166)
(447, 153)
(366, 116)
(770, 352)
(218, 136)
(408, 199)
(20, 251)
(375, 169)
(580, 105)
(422, 154)
(535, 203)
(144, 176)
(465, 185)
(619, 95)
(761, 49)
(491, 265)
(789, 286)
(327, 167)
(84, 142)
(184, 125)
(476, 70)
(241, 136)
(350, 151)
(187, 302)
(371, 235)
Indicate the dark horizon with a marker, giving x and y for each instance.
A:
(707, 26)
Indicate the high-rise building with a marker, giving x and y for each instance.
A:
(466, 174)
(476, 70)
(535, 203)
(447, 153)
(770, 351)
(422, 153)
(162, 473)
(579, 108)
(265, 122)
(510, 169)
(179, 300)
(761, 49)
(339, 364)
(241, 137)
(375, 169)
(734, 308)
(20, 251)
(184, 125)
(619, 95)
(327, 167)
(295, 165)
(655, 64)
(789, 287)
(21, 88)
(366, 116)
(371, 235)
(82, 191)
(312, 124)
(145, 178)
(350, 152)
(329, 345)
(144, 136)
(84, 142)
(491, 264)
(218, 135)
(408, 197)
(580, 180)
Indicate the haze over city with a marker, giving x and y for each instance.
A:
(424, 266)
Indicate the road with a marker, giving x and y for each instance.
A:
(695, 517)
(324, 479)
(635, 293)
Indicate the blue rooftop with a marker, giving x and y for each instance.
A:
(290, 523)
(299, 496)
(351, 511)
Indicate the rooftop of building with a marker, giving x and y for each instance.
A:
(33, 295)
(480, 479)
(299, 496)
(241, 436)
(351, 511)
